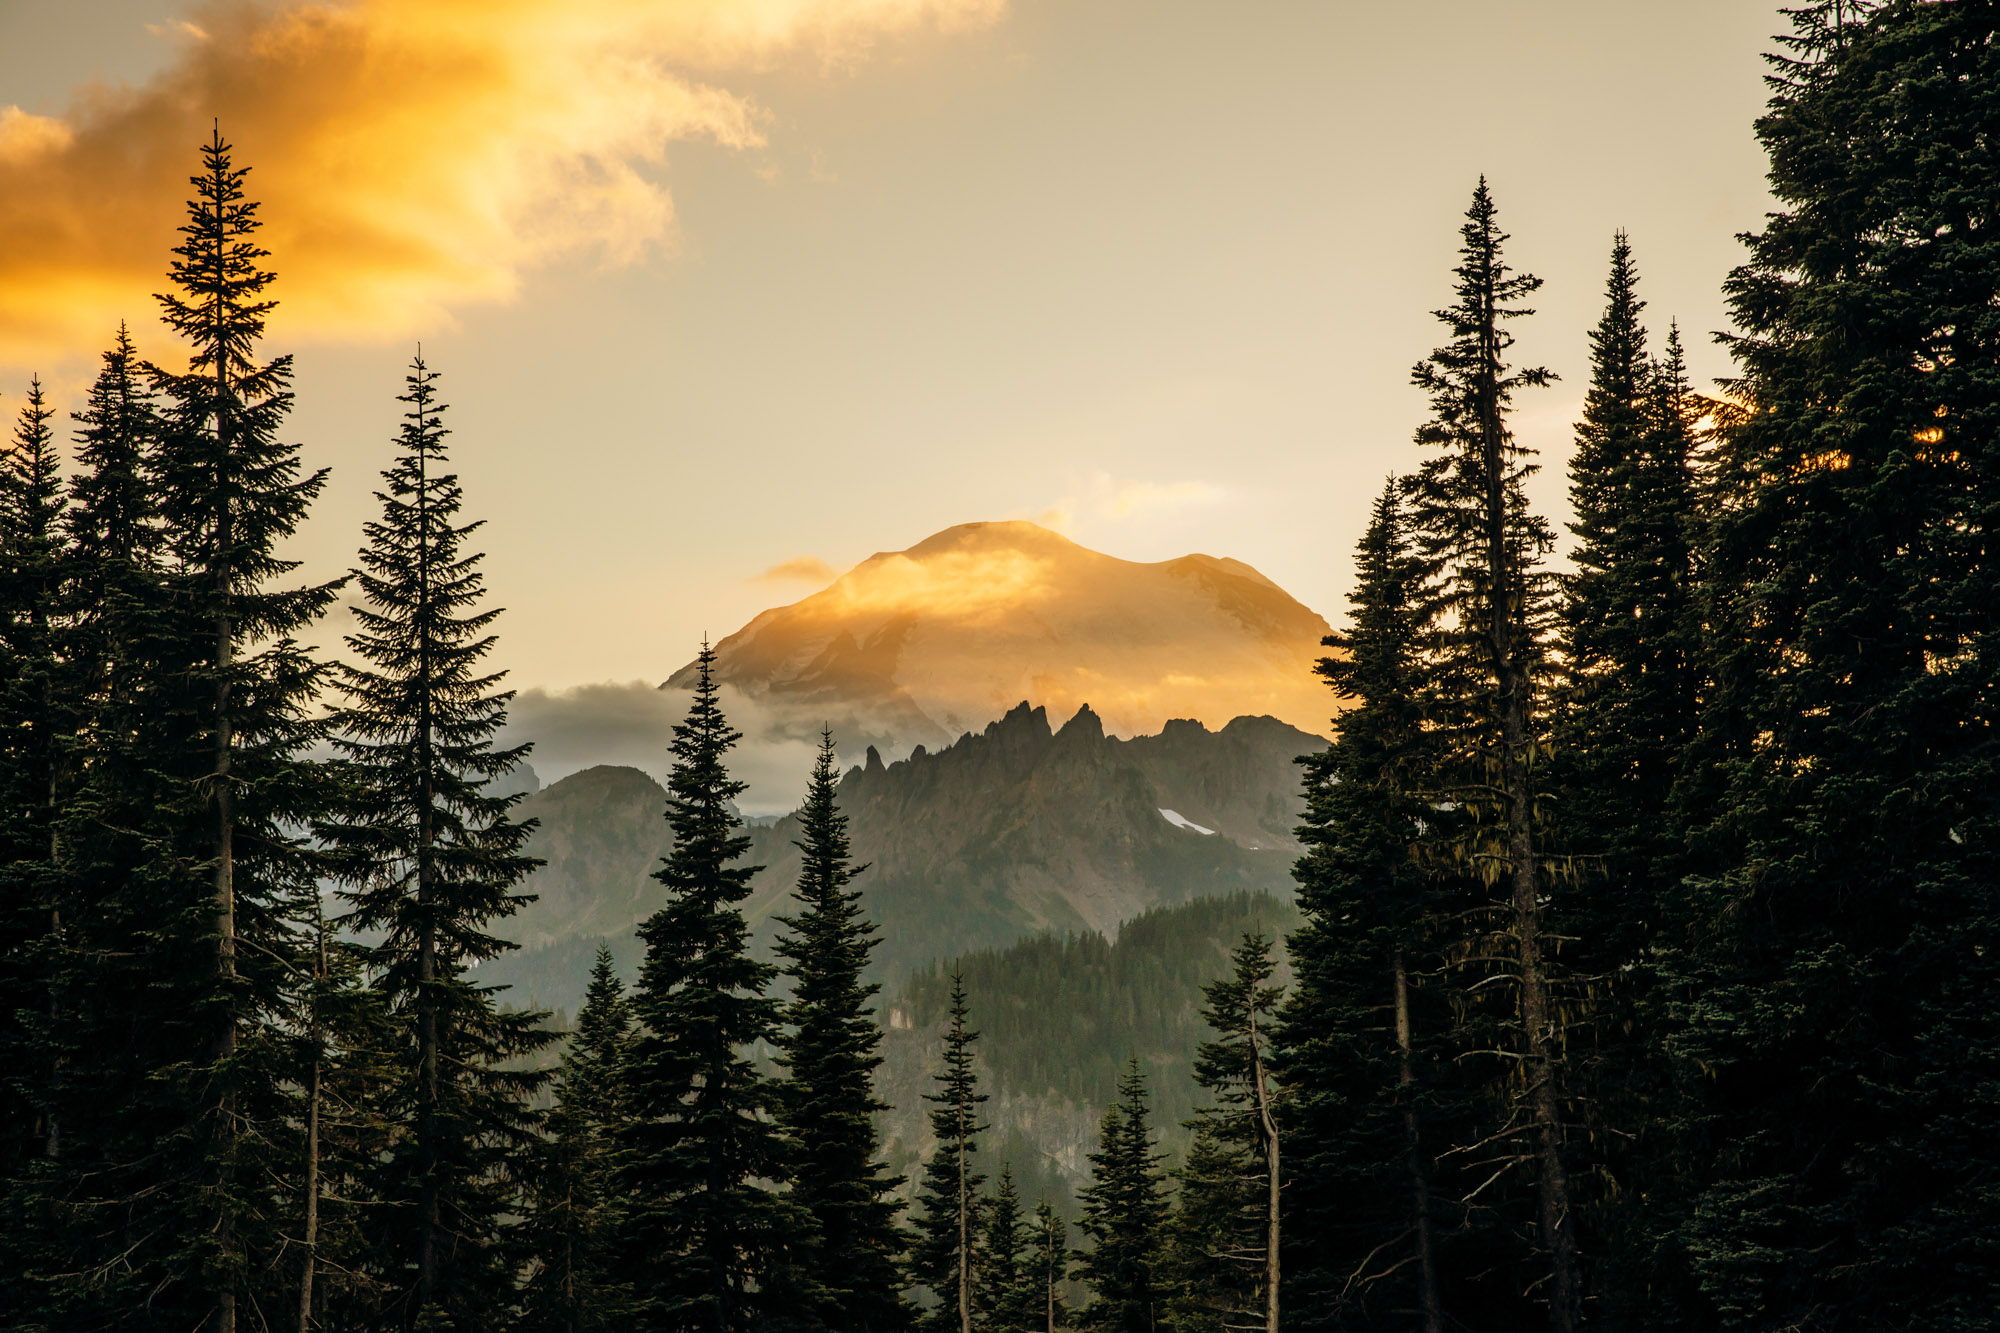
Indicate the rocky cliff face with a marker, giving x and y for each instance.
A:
(919, 646)
(1016, 829)
(1022, 828)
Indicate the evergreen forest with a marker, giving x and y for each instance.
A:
(1645, 966)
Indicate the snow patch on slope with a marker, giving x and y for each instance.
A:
(1178, 820)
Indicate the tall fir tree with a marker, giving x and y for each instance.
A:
(708, 1241)
(34, 719)
(574, 1216)
(228, 876)
(433, 860)
(1626, 712)
(830, 1054)
(945, 1257)
(1124, 1214)
(1488, 608)
(105, 1179)
(1226, 1232)
(1841, 935)
(1368, 1036)
(1632, 695)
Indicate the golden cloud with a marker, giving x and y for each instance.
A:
(412, 156)
(801, 569)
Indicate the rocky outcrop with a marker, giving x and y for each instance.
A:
(1016, 829)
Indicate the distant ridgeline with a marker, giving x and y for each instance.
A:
(1012, 831)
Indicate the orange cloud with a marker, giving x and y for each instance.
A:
(803, 569)
(412, 156)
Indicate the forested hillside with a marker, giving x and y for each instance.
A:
(1059, 1018)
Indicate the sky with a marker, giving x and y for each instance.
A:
(729, 294)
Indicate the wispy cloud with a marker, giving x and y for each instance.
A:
(1127, 498)
(1106, 497)
(801, 569)
(413, 156)
(632, 722)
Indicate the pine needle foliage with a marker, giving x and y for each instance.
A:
(230, 715)
(1225, 1236)
(1124, 1215)
(1488, 611)
(431, 861)
(1626, 712)
(1843, 928)
(1014, 1295)
(98, 966)
(708, 1242)
(830, 1053)
(1378, 1051)
(1048, 1268)
(34, 717)
(1631, 695)
(347, 1044)
(574, 1209)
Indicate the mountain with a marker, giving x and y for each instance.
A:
(1015, 830)
(919, 646)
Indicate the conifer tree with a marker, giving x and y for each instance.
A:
(1203, 1264)
(105, 963)
(432, 860)
(235, 717)
(1626, 713)
(1488, 608)
(1630, 706)
(1359, 1044)
(707, 1241)
(347, 1042)
(946, 1255)
(114, 530)
(831, 1054)
(1014, 1296)
(1841, 938)
(33, 720)
(574, 1213)
(1048, 1268)
(1226, 1228)
(1124, 1213)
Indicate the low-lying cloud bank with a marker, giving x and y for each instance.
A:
(631, 723)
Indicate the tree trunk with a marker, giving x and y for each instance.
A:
(1430, 1308)
(964, 1237)
(311, 1239)
(316, 1035)
(52, 798)
(430, 1089)
(225, 833)
(1506, 591)
(428, 1036)
(1267, 1129)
